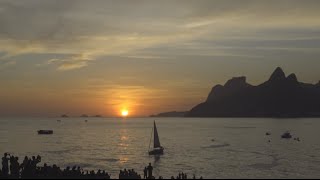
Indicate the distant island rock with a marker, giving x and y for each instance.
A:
(170, 114)
(280, 96)
(84, 115)
(64, 116)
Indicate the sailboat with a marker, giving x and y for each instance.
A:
(157, 148)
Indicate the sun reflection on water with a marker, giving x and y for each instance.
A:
(123, 160)
(124, 138)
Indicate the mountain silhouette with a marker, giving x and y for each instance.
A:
(280, 96)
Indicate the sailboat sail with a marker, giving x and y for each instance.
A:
(156, 141)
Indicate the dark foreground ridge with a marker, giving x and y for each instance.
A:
(171, 114)
(29, 169)
(280, 96)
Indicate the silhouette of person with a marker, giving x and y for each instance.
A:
(150, 169)
(5, 165)
(14, 166)
(25, 162)
(11, 163)
(125, 173)
(120, 175)
(145, 172)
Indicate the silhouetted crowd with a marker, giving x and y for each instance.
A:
(130, 174)
(184, 176)
(29, 169)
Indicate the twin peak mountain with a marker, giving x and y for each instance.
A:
(280, 96)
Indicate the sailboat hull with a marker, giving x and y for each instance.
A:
(157, 151)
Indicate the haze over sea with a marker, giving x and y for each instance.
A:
(240, 148)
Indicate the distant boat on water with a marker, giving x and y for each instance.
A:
(268, 133)
(286, 135)
(45, 132)
(157, 148)
(297, 139)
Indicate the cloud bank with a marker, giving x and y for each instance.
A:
(83, 31)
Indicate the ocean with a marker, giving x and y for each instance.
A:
(208, 147)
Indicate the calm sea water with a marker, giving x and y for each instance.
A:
(240, 148)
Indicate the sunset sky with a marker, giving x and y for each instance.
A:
(99, 57)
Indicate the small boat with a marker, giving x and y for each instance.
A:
(268, 134)
(64, 116)
(297, 139)
(58, 120)
(45, 132)
(286, 135)
(85, 120)
(157, 148)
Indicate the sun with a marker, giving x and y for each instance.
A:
(124, 113)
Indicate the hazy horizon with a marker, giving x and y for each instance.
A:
(100, 57)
